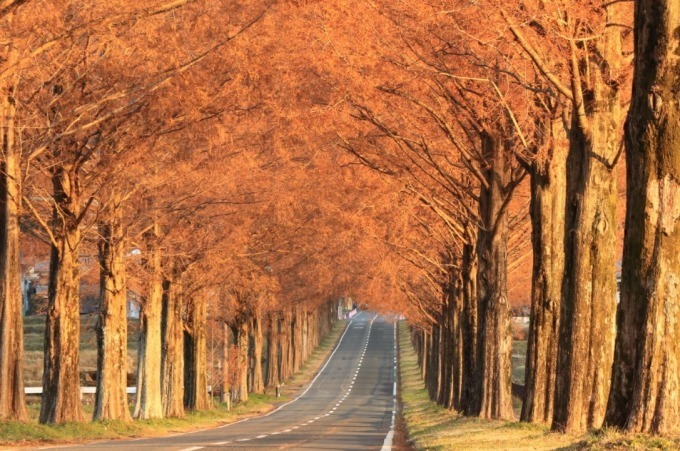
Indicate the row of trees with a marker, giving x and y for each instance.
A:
(266, 155)
(484, 95)
(150, 154)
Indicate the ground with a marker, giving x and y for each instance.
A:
(429, 426)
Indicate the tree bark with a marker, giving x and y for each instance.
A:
(457, 362)
(111, 397)
(587, 313)
(149, 402)
(195, 356)
(304, 316)
(285, 367)
(12, 400)
(469, 395)
(494, 340)
(424, 352)
(243, 348)
(273, 352)
(61, 383)
(172, 362)
(258, 380)
(296, 346)
(548, 195)
(226, 367)
(645, 395)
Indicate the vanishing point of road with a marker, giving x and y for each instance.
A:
(350, 404)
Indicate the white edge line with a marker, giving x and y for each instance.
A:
(387, 444)
(337, 345)
(328, 360)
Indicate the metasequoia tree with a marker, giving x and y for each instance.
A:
(589, 75)
(28, 51)
(68, 156)
(483, 147)
(548, 194)
(644, 395)
(12, 402)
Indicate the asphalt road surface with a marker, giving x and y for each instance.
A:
(350, 404)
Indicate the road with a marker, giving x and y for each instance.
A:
(350, 404)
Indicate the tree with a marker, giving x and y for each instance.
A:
(12, 402)
(644, 396)
(589, 75)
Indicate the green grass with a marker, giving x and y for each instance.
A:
(32, 433)
(432, 427)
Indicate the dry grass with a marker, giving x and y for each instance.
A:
(432, 427)
(34, 339)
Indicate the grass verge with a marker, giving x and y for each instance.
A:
(432, 427)
(31, 433)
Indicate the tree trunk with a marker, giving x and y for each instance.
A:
(195, 356)
(61, 383)
(493, 365)
(296, 347)
(111, 397)
(587, 313)
(226, 367)
(587, 323)
(548, 195)
(172, 362)
(285, 367)
(645, 394)
(243, 348)
(424, 354)
(273, 350)
(149, 403)
(12, 401)
(305, 335)
(258, 380)
(469, 395)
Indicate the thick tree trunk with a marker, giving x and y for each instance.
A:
(195, 356)
(111, 397)
(425, 352)
(305, 335)
(456, 353)
(548, 195)
(587, 323)
(12, 401)
(258, 380)
(587, 314)
(645, 395)
(444, 360)
(149, 403)
(61, 383)
(469, 395)
(243, 351)
(493, 365)
(296, 346)
(226, 367)
(273, 351)
(586, 329)
(172, 345)
(286, 363)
